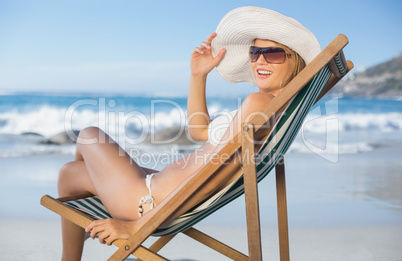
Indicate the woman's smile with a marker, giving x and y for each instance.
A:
(263, 73)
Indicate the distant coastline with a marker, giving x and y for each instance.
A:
(383, 81)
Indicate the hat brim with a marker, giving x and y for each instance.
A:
(241, 26)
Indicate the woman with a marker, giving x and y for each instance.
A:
(251, 44)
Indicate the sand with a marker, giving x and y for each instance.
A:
(40, 239)
(347, 210)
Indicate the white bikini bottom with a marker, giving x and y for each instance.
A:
(148, 199)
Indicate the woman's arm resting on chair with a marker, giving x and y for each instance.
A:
(202, 62)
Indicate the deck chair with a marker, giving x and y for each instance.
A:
(261, 145)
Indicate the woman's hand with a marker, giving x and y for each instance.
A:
(108, 230)
(202, 61)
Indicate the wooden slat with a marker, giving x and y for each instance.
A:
(282, 211)
(159, 244)
(71, 214)
(83, 221)
(251, 193)
(75, 197)
(215, 244)
(141, 252)
(187, 189)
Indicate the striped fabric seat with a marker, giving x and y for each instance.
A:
(274, 147)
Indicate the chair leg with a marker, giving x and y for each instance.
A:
(251, 194)
(215, 244)
(161, 242)
(282, 211)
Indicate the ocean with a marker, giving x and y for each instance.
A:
(334, 126)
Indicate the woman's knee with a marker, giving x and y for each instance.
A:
(91, 135)
(65, 176)
(73, 179)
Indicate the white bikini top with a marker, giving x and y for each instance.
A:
(218, 126)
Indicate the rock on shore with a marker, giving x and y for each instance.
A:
(69, 137)
(173, 135)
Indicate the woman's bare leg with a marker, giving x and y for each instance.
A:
(102, 168)
(73, 179)
(118, 181)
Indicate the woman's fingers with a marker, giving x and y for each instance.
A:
(198, 50)
(108, 230)
(102, 236)
(206, 44)
(96, 227)
(220, 55)
(100, 229)
(109, 240)
(202, 59)
(94, 232)
(210, 38)
(202, 47)
(91, 226)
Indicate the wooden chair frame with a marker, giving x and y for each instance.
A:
(176, 200)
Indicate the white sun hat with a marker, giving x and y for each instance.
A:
(241, 26)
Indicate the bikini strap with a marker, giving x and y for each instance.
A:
(148, 199)
(148, 180)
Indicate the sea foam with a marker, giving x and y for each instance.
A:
(333, 133)
(47, 120)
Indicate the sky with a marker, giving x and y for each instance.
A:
(135, 47)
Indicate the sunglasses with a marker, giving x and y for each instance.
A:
(271, 54)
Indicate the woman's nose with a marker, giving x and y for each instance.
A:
(261, 59)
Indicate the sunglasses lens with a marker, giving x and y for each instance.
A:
(271, 54)
(254, 53)
(275, 55)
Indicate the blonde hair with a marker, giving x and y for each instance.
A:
(298, 62)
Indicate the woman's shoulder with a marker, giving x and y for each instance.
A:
(254, 104)
(257, 101)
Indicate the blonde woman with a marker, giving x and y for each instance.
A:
(251, 44)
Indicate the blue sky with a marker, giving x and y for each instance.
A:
(143, 47)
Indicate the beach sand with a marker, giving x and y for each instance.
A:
(347, 210)
(33, 239)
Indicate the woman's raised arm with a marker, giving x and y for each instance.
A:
(202, 62)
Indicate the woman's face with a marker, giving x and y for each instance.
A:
(271, 78)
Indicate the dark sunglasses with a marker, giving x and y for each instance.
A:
(271, 54)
